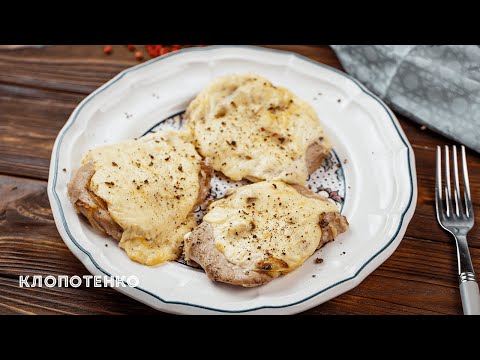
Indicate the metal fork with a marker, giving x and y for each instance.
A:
(458, 220)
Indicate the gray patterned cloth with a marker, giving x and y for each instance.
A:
(437, 86)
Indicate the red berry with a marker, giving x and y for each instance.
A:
(138, 55)
(107, 49)
(152, 50)
(131, 47)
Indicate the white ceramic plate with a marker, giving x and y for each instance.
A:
(374, 178)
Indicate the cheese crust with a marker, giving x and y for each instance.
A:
(249, 128)
(268, 226)
(150, 187)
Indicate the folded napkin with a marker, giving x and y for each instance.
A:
(436, 85)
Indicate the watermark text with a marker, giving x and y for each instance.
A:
(77, 281)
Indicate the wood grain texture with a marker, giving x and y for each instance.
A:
(39, 88)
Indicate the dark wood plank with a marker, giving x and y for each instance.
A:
(78, 69)
(30, 245)
(30, 121)
(39, 88)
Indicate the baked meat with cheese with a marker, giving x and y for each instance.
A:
(261, 231)
(250, 129)
(143, 193)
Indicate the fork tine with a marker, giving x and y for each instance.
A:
(438, 184)
(448, 189)
(468, 199)
(456, 191)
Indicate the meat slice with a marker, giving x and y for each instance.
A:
(332, 225)
(316, 152)
(206, 173)
(90, 205)
(200, 247)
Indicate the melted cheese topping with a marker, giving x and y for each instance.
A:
(249, 128)
(150, 186)
(267, 226)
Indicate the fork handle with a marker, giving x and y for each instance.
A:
(470, 294)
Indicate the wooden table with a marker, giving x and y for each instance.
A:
(39, 88)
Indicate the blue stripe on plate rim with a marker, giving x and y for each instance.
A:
(301, 57)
